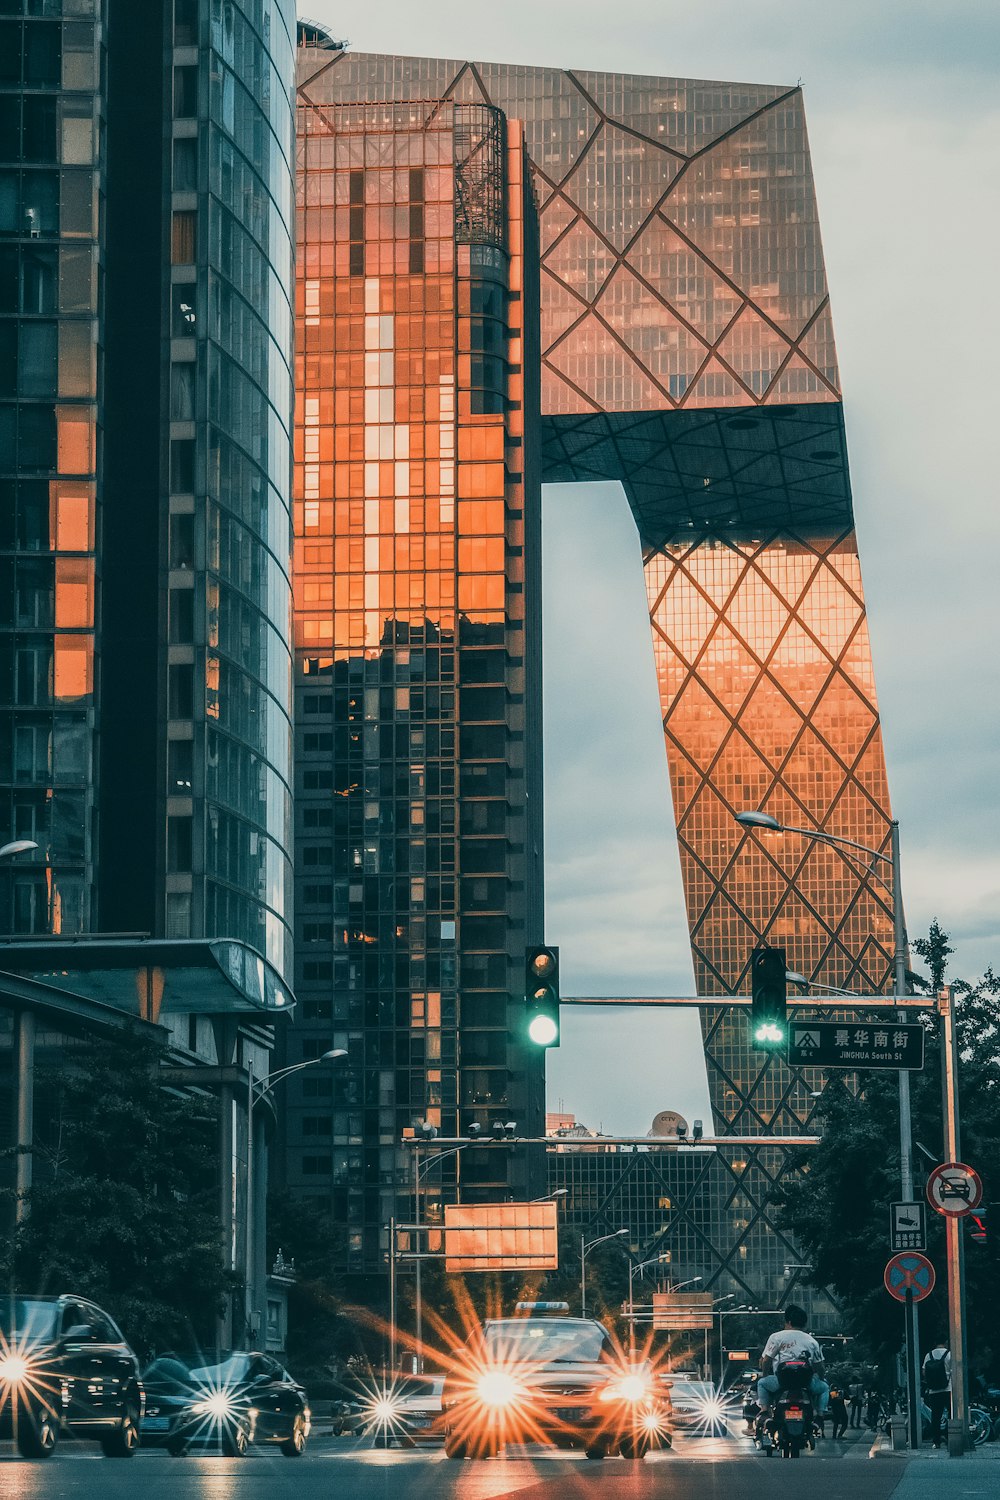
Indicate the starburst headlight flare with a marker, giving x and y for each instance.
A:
(218, 1405)
(497, 1389)
(385, 1409)
(13, 1369)
(712, 1409)
(652, 1422)
(630, 1388)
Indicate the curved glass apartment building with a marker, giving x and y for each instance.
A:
(145, 467)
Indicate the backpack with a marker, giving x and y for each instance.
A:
(935, 1373)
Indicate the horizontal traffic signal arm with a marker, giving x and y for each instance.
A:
(811, 1002)
(590, 1142)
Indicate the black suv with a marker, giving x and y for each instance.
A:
(545, 1379)
(64, 1367)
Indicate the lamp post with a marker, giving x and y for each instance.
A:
(717, 1305)
(765, 822)
(256, 1089)
(656, 1260)
(585, 1247)
(16, 846)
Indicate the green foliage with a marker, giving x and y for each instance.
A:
(837, 1208)
(124, 1206)
(307, 1235)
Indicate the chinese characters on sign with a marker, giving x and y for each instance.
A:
(907, 1229)
(830, 1044)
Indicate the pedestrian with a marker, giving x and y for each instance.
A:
(873, 1402)
(936, 1374)
(857, 1393)
(837, 1411)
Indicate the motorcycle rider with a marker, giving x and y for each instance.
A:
(792, 1343)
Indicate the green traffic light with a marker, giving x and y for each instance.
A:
(768, 1032)
(542, 1030)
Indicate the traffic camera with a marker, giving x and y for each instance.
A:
(541, 991)
(769, 1001)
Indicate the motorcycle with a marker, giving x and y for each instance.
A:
(791, 1427)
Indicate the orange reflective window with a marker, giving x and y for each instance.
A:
(74, 593)
(483, 592)
(74, 667)
(76, 441)
(73, 514)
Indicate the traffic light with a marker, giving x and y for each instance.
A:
(768, 1004)
(541, 993)
(976, 1221)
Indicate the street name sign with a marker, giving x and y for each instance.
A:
(907, 1226)
(909, 1272)
(500, 1237)
(839, 1044)
(682, 1311)
(954, 1189)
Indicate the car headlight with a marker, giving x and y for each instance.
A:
(711, 1409)
(631, 1388)
(497, 1389)
(385, 1409)
(13, 1368)
(218, 1405)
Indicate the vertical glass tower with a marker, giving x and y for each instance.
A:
(687, 352)
(145, 467)
(416, 647)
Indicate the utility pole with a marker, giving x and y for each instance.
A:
(958, 1426)
(905, 1144)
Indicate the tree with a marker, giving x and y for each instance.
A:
(837, 1208)
(124, 1205)
(318, 1338)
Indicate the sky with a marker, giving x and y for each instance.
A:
(903, 108)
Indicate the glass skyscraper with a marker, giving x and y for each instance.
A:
(687, 351)
(145, 467)
(418, 863)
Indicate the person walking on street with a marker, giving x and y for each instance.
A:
(857, 1395)
(936, 1375)
(837, 1410)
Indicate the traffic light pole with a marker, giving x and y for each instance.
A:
(905, 1144)
(958, 1427)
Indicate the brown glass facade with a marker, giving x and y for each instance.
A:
(688, 352)
(416, 519)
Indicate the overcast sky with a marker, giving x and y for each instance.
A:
(903, 108)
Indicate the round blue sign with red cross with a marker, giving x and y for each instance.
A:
(909, 1272)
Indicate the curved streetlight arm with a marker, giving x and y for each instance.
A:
(441, 1156)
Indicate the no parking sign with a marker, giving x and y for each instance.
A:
(909, 1272)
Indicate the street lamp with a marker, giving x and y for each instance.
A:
(656, 1260)
(586, 1246)
(717, 1306)
(17, 846)
(755, 819)
(548, 1197)
(256, 1089)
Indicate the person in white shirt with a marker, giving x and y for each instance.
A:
(936, 1375)
(792, 1342)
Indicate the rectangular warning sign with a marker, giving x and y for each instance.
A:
(907, 1227)
(500, 1237)
(837, 1044)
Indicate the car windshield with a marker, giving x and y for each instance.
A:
(568, 1342)
(232, 1371)
(167, 1369)
(27, 1319)
(421, 1385)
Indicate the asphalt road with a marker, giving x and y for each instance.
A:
(697, 1470)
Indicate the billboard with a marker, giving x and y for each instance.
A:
(500, 1237)
(680, 1311)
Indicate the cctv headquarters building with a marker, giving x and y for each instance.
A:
(510, 275)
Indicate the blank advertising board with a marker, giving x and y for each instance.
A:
(678, 1311)
(500, 1237)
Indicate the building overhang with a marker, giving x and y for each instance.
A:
(736, 471)
(145, 978)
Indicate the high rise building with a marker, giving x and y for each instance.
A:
(687, 352)
(145, 420)
(417, 652)
(145, 535)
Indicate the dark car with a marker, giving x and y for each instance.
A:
(550, 1379)
(247, 1398)
(65, 1367)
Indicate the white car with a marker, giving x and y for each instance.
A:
(418, 1416)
